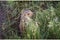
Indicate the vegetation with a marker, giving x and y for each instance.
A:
(47, 14)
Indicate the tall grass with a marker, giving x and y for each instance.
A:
(48, 20)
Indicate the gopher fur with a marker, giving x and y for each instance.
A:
(25, 17)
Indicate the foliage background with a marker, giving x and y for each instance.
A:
(47, 15)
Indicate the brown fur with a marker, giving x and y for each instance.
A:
(25, 17)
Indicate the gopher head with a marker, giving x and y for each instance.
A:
(27, 12)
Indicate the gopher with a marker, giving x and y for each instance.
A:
(26, 15)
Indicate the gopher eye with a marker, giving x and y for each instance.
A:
(28, 14)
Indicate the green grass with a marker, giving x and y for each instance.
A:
(48, 21)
